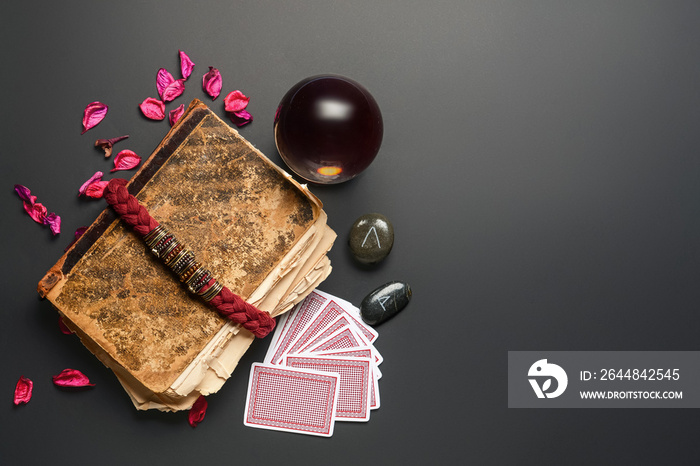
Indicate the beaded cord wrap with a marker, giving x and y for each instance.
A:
(182, 262)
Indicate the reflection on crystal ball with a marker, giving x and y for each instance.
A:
(328, 129)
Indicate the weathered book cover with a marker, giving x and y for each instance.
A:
(237, 211)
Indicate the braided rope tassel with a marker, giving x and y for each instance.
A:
(182, 262)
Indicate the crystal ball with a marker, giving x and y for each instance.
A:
(328, 129)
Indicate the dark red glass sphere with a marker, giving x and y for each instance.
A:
(328, 129)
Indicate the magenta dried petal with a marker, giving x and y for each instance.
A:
(63, 327)
(96, 189)
(163, 80)
(94, 113)
(36, 211)
(126, 160)
(71, 378)
(153, 108)
(23, 390)
(175, 114)
(107, 144)
(186, 65)
(235, 101)
(197, 412)
(25, 194)
(174, 90)
(241, 118)
(96, 177)
(211, 82)
(54, 222)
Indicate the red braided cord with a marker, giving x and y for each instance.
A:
(128, 207)
(233, 307)
(226, 302)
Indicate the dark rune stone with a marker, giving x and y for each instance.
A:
(371, 238)
(385, 302)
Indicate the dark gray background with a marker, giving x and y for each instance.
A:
(540, 165)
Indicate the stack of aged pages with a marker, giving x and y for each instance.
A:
(261, 233)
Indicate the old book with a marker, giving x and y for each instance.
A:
(260, 232)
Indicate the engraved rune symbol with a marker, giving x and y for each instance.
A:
(383, 300)
(376, 236)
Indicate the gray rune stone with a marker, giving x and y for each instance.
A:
(371, 238)
(385, 302)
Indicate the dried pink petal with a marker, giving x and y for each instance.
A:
(25, 194)
(175, 114)
(126, 160)
(211, 82)
(241, 118)
(78, 233)
(94, 113)
(163, 80)
(235, 101)
(153, 108)
(23, 390)
(96, 189)
(197, 411)
(96, 177)
(36, 211)
(54, 222)
(107, 144)
(63, 327)
(71, 378)
(186, 65)
(174, 90)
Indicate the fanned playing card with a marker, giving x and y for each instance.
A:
(353, 312)
(322, 334)
(292, 400)
(341, 339)
(292, 325)
(355, 382)
(314, 335)
(321, 321)
(361, 352)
